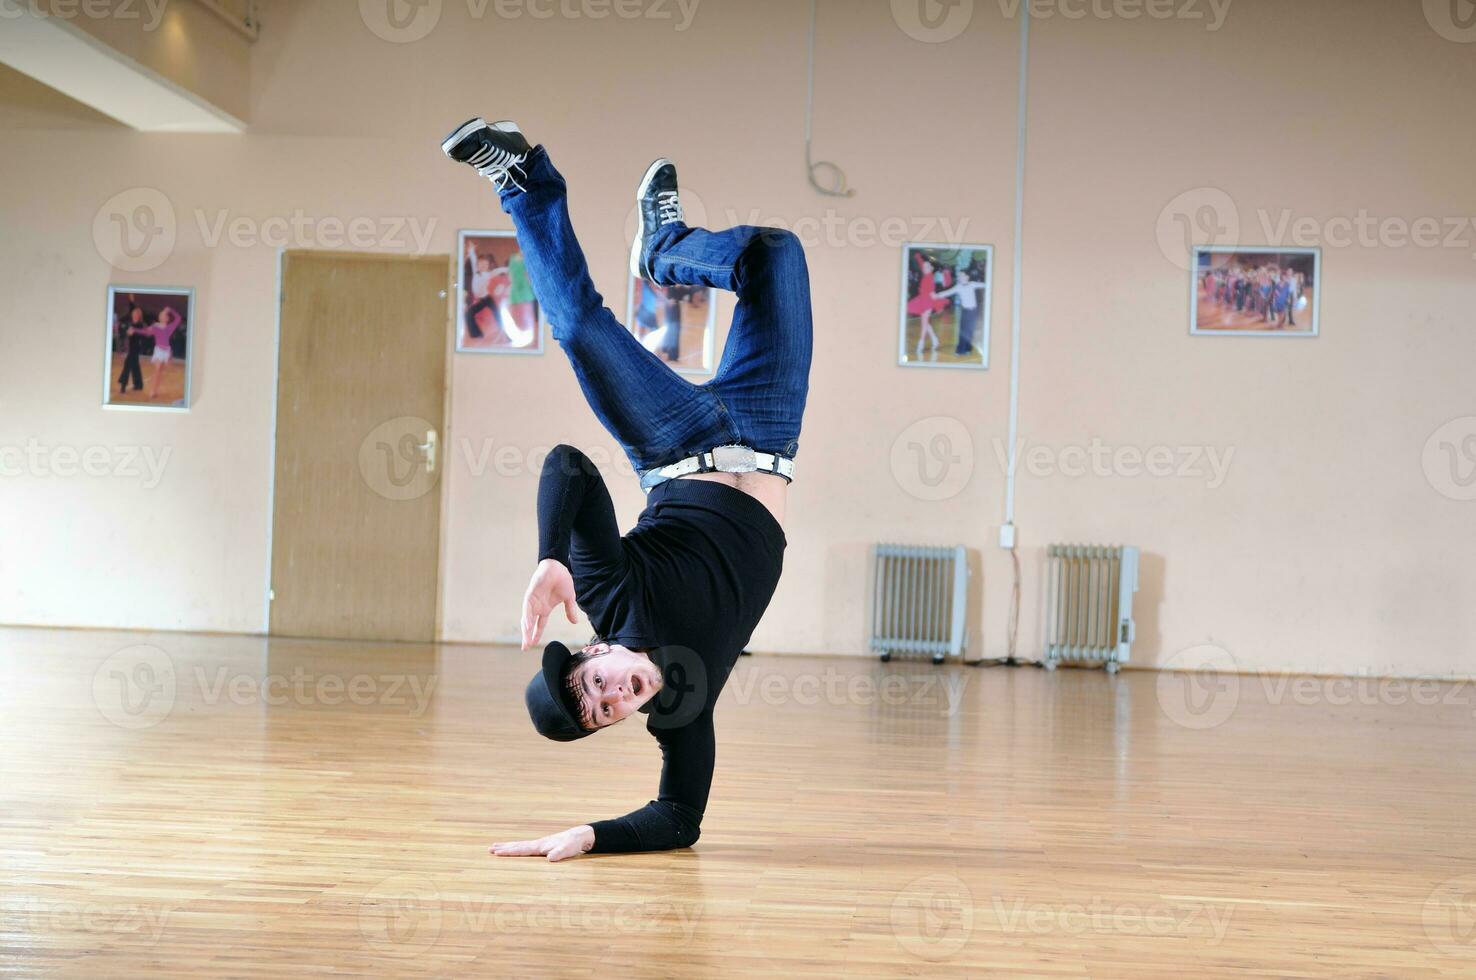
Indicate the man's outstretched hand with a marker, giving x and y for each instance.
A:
(552, 586)
(565, 844)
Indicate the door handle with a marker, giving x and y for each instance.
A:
(429, 448)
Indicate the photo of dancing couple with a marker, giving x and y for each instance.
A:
(1258, 292)
(148, 363)
(945, 306)
(497, 312)
(676, 323)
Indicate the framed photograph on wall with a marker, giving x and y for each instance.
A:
(676, 323)
(149, 347)
(496, 311)
(1240, 291)
(946, 298)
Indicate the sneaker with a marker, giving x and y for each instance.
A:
(659, 205)
(493, 151)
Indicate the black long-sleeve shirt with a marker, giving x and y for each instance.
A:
(688, 585)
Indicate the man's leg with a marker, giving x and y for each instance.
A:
(655, 415)
(763, 378)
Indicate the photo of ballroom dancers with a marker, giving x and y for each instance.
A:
(149, 347)
(1256, 292)
(497, 312)
(676, 323)
(945, 306)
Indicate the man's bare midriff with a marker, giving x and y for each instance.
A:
(770, 490)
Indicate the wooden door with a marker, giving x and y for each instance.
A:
(360, 403)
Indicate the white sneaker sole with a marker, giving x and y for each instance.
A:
(635, 247)
(466, 129)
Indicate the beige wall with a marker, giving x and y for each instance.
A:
(1325, 548)
(180, 40)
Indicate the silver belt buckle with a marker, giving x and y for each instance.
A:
(734, 459)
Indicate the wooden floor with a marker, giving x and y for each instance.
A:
(176, 805)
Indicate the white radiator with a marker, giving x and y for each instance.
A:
(919, 601)
(1089, 617)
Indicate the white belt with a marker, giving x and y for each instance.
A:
(721, 459)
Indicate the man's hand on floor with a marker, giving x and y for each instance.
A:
(556, 847)
(552, 586)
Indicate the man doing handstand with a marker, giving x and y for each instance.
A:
(675, 600)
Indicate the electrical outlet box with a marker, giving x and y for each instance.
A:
(1007, 535)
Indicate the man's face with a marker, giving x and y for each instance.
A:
(613, 684)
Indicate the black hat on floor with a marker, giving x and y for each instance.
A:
(548, 705)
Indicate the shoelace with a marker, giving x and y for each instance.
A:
(670, 206)
(497, 164)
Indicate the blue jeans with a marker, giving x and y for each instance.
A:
(756, 398)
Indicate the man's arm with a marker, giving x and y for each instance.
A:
(576, 531)
(674, 818)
